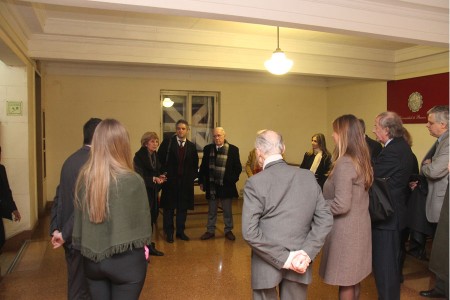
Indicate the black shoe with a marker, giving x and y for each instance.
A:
(230, 236)
(182, 236)
(153, 251)
(431, 294)
(207, 235)
(169, 238)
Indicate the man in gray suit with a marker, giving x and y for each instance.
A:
(285, 220)
(436, 172)
(436, 168)
(61, 224)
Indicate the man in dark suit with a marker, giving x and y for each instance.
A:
(396, 162)
(179, 158)
(61, 224)
(219, 172)
(374, 146)
(8, 208)
(285, 220)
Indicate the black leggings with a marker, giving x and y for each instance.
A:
(119, 277)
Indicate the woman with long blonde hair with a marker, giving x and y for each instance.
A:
(347, 252)
(112, 217)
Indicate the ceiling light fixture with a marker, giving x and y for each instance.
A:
(278, 64)
(167, 102)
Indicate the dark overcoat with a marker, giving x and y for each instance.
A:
(7, 204)
(233, 169)
(144, 168)
(178, 186)
(439, 251)
(396, 162)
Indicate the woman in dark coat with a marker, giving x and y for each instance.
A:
(318, 160)
(8, 209)
(146, 164)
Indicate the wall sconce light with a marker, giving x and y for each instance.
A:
(167, 102)
(278, 64)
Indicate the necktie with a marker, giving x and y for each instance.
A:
(181, 143)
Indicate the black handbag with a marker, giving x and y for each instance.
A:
(380, 202)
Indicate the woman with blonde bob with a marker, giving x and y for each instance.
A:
(347, 252)
(112, 217)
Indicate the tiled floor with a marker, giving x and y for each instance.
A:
(212, 269)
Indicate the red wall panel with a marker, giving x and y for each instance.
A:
(403, 96)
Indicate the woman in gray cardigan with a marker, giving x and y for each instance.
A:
(112, 217)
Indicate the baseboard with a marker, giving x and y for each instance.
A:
(15, 242)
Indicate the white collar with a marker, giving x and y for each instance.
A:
(271, 158)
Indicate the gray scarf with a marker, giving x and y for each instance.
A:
(217, 163)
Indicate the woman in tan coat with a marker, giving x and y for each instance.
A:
(347, 253)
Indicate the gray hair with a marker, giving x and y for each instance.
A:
(440, 114)
(221, 130)
(269, 142)
(392, 122)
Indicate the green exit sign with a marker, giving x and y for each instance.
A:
(14, 108)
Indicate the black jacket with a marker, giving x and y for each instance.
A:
(178, 188)
(7, 204)
(62, 209)
(233, 169)
(396, 162)
(323, 168)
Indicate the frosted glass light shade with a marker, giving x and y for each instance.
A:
(167, 102)
(278, 64)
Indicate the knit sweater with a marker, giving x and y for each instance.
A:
(127, 226)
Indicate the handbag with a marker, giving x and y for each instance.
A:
(380, 202)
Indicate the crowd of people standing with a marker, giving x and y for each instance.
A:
(289, 214)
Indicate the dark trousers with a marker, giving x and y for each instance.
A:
(441, 286)
(119, 277)
(386, 263)
(168, 220)
(417, 243)
(181, 214)
(77, 287)
(227, 214)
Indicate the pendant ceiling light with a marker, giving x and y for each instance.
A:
(278, 64)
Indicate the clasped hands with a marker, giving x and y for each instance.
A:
(160, 180)
(300, 262)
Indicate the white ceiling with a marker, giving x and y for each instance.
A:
(353, 39)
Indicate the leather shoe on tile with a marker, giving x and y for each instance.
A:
(169, 238)
(207, 235)
(153, 251)
(229, 235)
(182, 236)
(432, 294)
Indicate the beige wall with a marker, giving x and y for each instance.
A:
(246, 105)
(295, 107)
(16, 84)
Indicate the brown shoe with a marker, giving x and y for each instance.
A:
(229, 235)
(207, 235)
